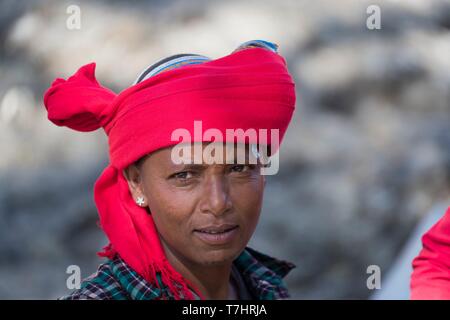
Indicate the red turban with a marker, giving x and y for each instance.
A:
(249, 88)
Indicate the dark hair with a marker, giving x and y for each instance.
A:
(138, 163)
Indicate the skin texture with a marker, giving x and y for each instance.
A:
(185, 197)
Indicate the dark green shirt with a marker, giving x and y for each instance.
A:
(256, 275)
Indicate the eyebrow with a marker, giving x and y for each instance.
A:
(194, 166)
(202, 166)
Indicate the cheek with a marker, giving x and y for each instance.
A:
(247, 200)
(171, 212)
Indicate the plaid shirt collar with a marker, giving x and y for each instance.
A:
(114, 279)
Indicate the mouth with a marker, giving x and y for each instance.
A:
(221, 234)
(217, 229)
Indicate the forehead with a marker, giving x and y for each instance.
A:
(206, 153)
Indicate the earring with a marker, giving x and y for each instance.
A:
(140, 201)
(255, 151)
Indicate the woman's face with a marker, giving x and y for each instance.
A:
(205, 213)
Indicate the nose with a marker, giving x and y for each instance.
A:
(216, 198)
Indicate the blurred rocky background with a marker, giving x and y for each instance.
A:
(366, 157)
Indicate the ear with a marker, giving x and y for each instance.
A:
(133, 176)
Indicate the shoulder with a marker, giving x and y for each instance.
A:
(101, 285)
(253, 260)
(264, 274)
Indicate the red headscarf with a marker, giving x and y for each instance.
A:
(249, 88)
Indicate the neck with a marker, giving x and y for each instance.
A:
(213, 281)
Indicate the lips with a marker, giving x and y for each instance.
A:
(217, 235)
(217, 229)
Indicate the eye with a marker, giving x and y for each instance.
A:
(183, 175)
(241, 168)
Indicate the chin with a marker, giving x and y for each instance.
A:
(219, 256)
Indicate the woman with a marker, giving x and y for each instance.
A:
(179, 229)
